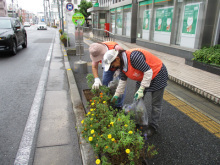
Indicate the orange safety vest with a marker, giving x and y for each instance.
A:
(154, 62)
(110, 44)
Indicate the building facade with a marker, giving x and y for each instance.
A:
(177, 27)
(3, 8)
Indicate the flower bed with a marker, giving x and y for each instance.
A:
(111, 133)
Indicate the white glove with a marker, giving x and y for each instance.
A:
(140, 93)
(97, 83)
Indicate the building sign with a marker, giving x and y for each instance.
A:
(190, 19)
(119, 18)
(146, 20)
(96, 5)
(163, 21)
(78, 18)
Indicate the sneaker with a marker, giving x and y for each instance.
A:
(150, 131)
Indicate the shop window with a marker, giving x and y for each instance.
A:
(95, 20)
(112, 29)
(162, 21)
(127, 20)
(102, 20)
(189, 19)
(119, 20)
(144, 19)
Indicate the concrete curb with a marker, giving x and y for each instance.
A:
(87, 153)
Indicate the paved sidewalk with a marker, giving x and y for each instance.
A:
(57, 141)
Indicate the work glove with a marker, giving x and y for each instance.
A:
(97, 83)
(114, 99)
(140, 93)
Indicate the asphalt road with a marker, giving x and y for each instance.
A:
(20, 76)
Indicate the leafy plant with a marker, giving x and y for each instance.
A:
(63, 38)
(61, 31)
(112, 134)
(209, 55)
(84, 5)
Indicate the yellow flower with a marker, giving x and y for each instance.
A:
(91, 110)
(89, 113)
(108, 125)
(92, 131)
(92, 103)
(90, 125)
(97, 161)
(101, 135)
(92, 114)
(90, 139)
(104, 102)
(127, 151)
(113, 139)
(112, 123)
(109, 136)
(126, 125)
(82, 121)
(91, 119)
(130, 132)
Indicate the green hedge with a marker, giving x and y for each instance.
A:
(209, 55)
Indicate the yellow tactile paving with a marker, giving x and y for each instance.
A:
(187, 109)
(177, 103)
(197, 117)
(169, 97)
(209, 126)
(194, 114)
(217, 134)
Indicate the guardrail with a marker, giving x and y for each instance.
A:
(99, 35)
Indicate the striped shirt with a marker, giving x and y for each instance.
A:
(138, 62)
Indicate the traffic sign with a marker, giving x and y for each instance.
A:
(69, 6)
(78, 18)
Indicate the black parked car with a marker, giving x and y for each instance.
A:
(12, 35)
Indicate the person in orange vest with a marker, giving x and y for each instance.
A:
(149, 72)
(97, 51)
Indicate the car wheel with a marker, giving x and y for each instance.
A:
(14, 48)
(24, 45)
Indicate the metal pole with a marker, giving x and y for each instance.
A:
(58, 5)
(12, 9)
(62, 15)
(67, 27)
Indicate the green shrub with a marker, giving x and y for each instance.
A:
(112, 134)
(61, 31)
(208, 55)
(63, 38)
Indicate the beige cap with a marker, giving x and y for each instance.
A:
(97, 51)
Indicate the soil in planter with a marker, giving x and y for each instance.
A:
(88, 94)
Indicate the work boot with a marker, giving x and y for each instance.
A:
(150, 131)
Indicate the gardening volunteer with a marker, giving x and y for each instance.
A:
(97, 51)
(149, 72)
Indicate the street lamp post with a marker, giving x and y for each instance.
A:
(62, 15)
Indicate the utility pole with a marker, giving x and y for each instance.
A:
(62, 15)
(58, 5)
(12, 8)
